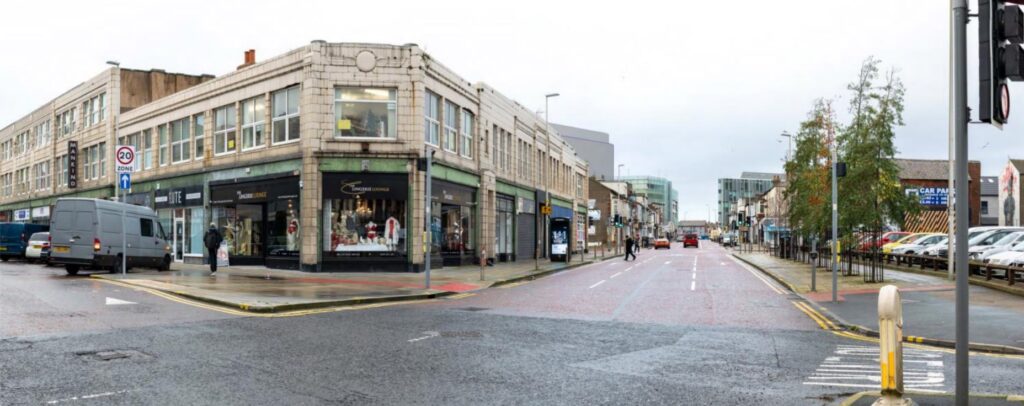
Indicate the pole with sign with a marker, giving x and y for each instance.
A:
(124, 157)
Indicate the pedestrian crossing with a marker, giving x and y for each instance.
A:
(856, 366)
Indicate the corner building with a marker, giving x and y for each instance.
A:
(310, 160)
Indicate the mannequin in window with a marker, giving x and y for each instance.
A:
(391, 227)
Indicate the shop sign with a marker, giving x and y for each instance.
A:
(453, 194)
(22, 215)
(181, 197)
(249, 192)
(930, 196)
(595, 215)
(560, 236)
(144, 199)
(41, 212)
(365, 186)
(72, 164)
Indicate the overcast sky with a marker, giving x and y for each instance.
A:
(693, 91)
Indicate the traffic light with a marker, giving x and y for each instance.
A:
(1000, 33)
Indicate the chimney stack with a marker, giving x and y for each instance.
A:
(250, 59)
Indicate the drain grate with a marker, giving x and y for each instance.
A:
(473, 309)
(112, 355)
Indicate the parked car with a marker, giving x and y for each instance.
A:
(14, 238)
(933, 249)
(978, 235)
(887, 248)
(704, 236)
(691, 240)
(866, 244)
(728, 240)
(918, 245)
(662, 243)
(38, 248)
(1003, 244)
(87, 233)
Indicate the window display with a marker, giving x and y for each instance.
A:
(453, 220)
(283, 226)
(365, 215)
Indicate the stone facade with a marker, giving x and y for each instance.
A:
(330, 111)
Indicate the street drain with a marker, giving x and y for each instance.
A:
(461, 334)
(473, 309)
(112, 355)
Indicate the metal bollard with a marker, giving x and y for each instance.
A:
(483, 263)
(890, 340)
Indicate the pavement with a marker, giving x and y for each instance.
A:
(996, 317)
(869, 398)
(679, 326)
(264, 290)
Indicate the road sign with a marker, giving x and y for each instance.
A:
(545, 209)
(125, 180)
(124, 156)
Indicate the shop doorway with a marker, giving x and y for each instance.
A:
(179, 239)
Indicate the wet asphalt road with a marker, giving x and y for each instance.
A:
(655, 334)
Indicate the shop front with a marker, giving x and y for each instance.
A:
(526, 229)
(560, 228)
(365, 217)
(504, 227)
(259, 218)
(452, 224)
(183, 216)
(22, 215)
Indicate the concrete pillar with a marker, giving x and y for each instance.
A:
(316, 117)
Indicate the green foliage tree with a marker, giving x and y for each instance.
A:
(808, 191)
(871, 195)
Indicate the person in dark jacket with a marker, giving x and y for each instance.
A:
(630, 242)
(212, 240)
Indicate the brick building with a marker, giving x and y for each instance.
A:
(309, 160)
(929, 180)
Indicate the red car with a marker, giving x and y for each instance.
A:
(691, 240)
(662, 243)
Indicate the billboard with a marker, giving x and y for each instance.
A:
(1009, 196)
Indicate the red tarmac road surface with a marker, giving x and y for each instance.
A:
(679, 286)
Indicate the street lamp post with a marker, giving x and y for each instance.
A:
(547, 172)
(789, 152)
(620, 171)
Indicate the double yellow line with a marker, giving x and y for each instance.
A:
(822, 321)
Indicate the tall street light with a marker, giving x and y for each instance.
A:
(547, 172)
(619, 177)
(789, 152)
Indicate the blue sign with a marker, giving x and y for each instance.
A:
(125, 181)
(932, 196)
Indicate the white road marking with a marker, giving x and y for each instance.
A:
(429, 334)
(694, 262)
(616, 274)
(84, 397)
(856, 366)
(693, 285)
(668, 262)
(760, 278)
(627, 269)
(111, 302)
(596, 284)
(694, 276)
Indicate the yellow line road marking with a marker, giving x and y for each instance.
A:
(808, 313)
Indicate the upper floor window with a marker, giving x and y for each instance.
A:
(451, 126)
(181, 141)
(200, 132)
(286, 114)
(147, 149)
(133, 140)
(161, 132)
(467, 133)
(42, 133)
(224, 131)
(253, 114)
(365, 112)
(431, 119)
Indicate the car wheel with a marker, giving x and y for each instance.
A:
(165, 265)
(117, 265)
(71, 269)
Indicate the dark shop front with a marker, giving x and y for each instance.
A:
(365, 217)
(259, 219)
(452, 223)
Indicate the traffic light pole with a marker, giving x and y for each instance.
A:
(960, 171)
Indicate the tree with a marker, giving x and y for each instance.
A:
(871, 195)
(808, 190)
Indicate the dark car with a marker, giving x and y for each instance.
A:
(691, 240)
(14, 238)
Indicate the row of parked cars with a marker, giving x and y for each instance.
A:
(995, 245)
(90, 234)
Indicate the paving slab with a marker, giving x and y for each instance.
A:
(260, 289)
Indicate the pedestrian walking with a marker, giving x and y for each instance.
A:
(630, 247)
(212, 240)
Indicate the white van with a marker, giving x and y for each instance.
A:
(86, 233)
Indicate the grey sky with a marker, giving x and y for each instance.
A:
(689, 90)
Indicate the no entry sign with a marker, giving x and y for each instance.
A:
(125, 157)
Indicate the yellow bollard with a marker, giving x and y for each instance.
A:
(890, 340)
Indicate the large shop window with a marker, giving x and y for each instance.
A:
(365, 214)
(365, 112)
(504, 242)
(259, 218)
(452, 224)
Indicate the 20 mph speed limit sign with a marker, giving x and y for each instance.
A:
(124, 155)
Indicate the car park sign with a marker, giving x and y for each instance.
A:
(124, 156)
